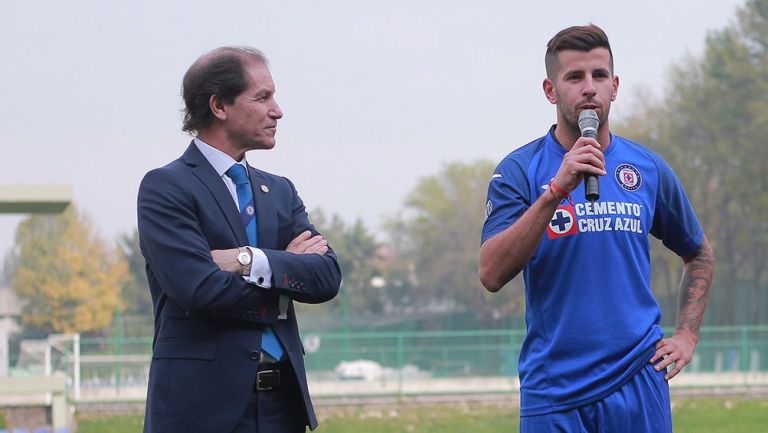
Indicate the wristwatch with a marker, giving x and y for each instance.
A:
(245, 260)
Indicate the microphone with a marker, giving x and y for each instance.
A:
(588, 124)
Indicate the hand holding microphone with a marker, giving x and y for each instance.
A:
(584, 160)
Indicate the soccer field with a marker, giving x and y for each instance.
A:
(705, 415)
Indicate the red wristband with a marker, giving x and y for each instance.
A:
(557, 188)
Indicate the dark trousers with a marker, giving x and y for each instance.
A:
(275, 411)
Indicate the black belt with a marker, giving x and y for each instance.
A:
(268, 376)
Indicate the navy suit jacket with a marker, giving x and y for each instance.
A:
(208, 322)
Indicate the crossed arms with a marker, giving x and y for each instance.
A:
(178, 230)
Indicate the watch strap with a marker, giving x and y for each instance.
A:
(245, 266)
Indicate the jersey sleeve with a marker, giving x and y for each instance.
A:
(508, 198)
(674, 222)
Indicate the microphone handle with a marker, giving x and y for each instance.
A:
(591, 184)
(591, 187)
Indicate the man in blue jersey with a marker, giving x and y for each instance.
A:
(594, 357)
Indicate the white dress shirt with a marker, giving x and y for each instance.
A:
(261, 271)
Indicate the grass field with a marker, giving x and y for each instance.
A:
(694, 415)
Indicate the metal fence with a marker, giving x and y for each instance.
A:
(441, 353)
(378, 363)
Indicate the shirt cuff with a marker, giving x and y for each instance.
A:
(261, 272)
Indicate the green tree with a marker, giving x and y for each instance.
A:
(356, 249)
(712, 128)
(69, 277)
(438, 236)
(135, 293)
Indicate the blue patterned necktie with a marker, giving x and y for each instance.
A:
(238, 175)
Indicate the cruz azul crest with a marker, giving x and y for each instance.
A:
(628, 177)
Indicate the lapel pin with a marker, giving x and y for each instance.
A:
(264, 188)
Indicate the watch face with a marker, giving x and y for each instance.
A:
(243, 258)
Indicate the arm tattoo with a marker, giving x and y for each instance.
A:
(694, 288)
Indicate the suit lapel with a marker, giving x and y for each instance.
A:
(203, 170)
(266, 214)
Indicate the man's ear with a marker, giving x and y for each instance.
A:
(218, 108)
(549, 91)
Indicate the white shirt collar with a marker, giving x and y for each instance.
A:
(220, 161)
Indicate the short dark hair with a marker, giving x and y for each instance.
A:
(220, 72)
(580, 38)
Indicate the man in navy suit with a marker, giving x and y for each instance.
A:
(229, 248)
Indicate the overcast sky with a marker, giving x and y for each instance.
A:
(375, 94)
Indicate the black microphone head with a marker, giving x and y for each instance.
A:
(588, 123)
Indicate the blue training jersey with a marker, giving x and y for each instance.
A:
(592, 321)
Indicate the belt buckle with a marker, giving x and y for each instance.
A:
(264, 376)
